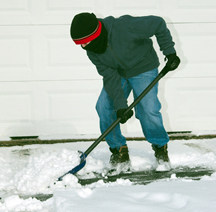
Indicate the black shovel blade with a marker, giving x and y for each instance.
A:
(76, 168)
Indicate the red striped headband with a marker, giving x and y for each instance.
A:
(90, 37)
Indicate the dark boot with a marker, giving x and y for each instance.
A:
(119, 156)
(161, 153)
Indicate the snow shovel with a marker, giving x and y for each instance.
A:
(83, 155)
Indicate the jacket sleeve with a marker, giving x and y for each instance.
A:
(111, 83)
(148, 26)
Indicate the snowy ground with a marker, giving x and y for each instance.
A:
(31, 170)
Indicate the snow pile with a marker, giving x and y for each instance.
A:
(15, 203)
(39, 169)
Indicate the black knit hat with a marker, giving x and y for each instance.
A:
(85, 27)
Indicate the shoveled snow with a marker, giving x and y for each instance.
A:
(30, 170)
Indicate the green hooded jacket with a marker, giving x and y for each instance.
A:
(130, 51)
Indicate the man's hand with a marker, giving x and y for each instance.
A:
(173, 62)
(124, 117)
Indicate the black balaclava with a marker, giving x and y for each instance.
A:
(99, 44)
(86, 27)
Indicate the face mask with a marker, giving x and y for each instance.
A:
(99, 44)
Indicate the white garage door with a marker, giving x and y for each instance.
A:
(48, 87)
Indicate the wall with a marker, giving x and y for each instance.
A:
(48, 87)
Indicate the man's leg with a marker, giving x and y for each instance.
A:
(107, 115)
(148, 109)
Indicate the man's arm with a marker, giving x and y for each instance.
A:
(149, 26)
(112, 85)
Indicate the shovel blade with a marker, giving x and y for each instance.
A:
(76, 168)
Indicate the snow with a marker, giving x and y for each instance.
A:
(30, 170)
(159, 196)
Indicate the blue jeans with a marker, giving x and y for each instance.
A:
(147, 111)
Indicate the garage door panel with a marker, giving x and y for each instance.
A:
(15, 107)
(49, 108)
(42, 53)
(71, 107)
(188, 104)
(15, 54)
(57, 56)
(62, 54)
(66, 61)
(14, 12)
(14, 5)
(76, 102)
